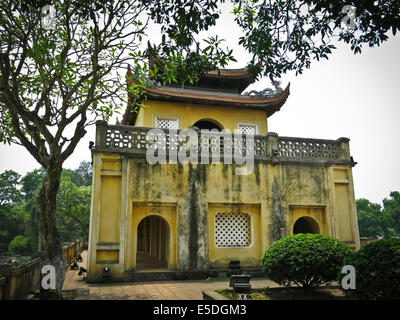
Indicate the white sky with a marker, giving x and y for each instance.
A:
(354, 96)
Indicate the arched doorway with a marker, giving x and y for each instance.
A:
(306, 225)
(152, 252)
(207, 124)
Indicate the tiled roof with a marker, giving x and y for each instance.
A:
(270, 104)
(256, 102)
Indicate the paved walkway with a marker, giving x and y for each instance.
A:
(160, 290)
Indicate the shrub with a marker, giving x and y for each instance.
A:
(377, 267)
(20, 244)
(308, 260)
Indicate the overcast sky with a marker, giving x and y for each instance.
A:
(354, 96)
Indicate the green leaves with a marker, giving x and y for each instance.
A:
(308, 260)
(180, 22)
(377, 270)
(286, 35)
(180, 19)
(73, 209)
(375, 221)
(187, 66)
(9, 190)
(19, 245)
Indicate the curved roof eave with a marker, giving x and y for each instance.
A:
(240, 101)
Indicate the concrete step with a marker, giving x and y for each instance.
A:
(141, 276)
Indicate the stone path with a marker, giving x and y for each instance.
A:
(160, 290)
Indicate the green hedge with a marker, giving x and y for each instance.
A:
(377, 267)
(308, 260)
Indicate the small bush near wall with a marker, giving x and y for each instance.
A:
(307, 260)
(377, 267)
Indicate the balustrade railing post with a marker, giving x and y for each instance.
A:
(272, 145)
(345, 148)
(101, 133)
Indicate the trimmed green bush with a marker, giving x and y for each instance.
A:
(308, 260)
(377, 267)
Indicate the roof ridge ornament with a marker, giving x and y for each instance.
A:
(267, 92)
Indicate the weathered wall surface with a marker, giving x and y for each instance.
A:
(187, 197)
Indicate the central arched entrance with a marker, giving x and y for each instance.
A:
(306, 225)
(153, 237)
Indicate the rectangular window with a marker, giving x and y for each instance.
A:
(232, 229)
(166, 122)
(247, 128)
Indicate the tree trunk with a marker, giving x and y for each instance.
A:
(48, 232)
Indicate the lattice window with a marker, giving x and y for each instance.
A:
(232, 229)
(247, 128)
(166, 123)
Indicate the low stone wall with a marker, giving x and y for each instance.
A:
(18, 280)
(71, 250)
(365, 240)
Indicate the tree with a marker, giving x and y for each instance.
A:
(286, 35)
(63, 78)
(11, 215)
(12, 222)
(370, 218)
(83, 174)
(58, 80)
(73, 210)
(375, 221)
(9, 192)
(31, 183)
(19, 214)
(391, 208)
(19, 245)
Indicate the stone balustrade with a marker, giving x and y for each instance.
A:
(18, 280)
(271, 147)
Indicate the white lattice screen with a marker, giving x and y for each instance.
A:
(247, 129)
(232, 229)
(166, 123)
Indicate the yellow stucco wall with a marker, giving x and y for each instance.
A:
(107, 223)
(110, 203)
(188, 196)
(188, 114)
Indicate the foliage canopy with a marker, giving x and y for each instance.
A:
(377, 268)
